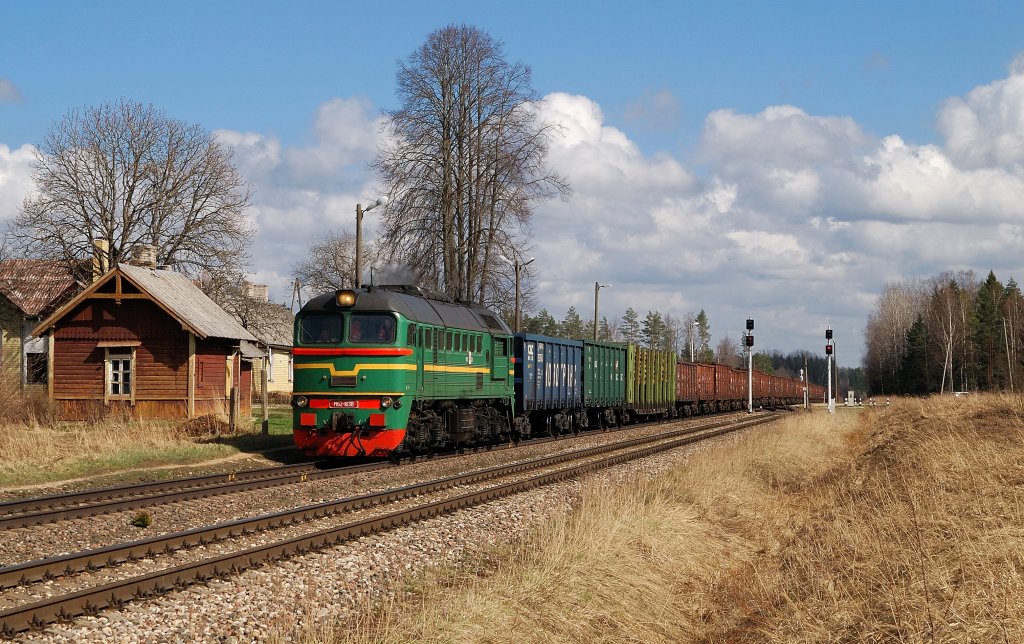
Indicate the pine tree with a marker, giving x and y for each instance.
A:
(988, 334)
(914, 366)
(542, 324)
(630, 326)
(572, 326)
(704, 351)
(653, 330)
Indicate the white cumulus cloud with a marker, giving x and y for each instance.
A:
(15, 179)
(986, 127)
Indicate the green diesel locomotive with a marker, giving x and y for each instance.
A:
(387, 370)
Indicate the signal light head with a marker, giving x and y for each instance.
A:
(345, 298)
(828, 349)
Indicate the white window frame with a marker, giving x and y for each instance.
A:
(110, 355)
(270, 364)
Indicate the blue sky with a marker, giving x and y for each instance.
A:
(741, 134)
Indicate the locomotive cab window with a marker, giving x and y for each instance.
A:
(319, 328)
(371, 328)
(410, 335)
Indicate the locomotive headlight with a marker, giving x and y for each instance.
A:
(345, 298)
(301, 401)
(386, 402)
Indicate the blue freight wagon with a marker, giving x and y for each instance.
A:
(548, 391)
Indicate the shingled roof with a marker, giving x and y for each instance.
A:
(35, 285)
(173, 292)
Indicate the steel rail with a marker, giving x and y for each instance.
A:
(116, 593)
(32, 571)
(107, 500)
(23, 513)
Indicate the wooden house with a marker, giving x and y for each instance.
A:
(30, 289)
(150, 342)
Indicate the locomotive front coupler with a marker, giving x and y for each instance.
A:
(339, 422)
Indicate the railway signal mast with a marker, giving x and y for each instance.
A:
(828, 364)
(748, 341)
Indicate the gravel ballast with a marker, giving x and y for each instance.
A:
(319, 587)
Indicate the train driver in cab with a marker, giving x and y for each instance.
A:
(386, 330)
(355, 331)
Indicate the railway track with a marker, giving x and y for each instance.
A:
(75, 505)
(525, 475)
(28, 512)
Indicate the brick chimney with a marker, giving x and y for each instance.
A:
(100, 258)
(144, 256)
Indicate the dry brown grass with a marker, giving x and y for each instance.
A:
(920, 538)
(899, 523)
(34, 447)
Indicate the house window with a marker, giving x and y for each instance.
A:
(119, 374)
(36, 366)
(291, 365)
(270, 365)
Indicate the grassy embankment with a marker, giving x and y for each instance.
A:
(35, 448)
(898, 523)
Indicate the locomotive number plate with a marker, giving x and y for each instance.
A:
(344, 404)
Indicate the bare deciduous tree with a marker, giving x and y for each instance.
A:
(127, 174)
(466, 164)
(329, 262)
(728, 352)
(897, 308)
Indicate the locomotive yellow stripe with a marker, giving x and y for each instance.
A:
(452, 369)
(355, 371)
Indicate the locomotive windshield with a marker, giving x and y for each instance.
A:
(376, 328)
(320, 328)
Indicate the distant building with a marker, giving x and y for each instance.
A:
(273, 330)
(278, 345)
(150, 342)
(30, 289)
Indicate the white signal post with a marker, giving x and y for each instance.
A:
(749, 342)
(828, 364)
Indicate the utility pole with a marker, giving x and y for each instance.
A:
(517, 266)
(381, 201)
(597, 290)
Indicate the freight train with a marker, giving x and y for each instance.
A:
(389, 371)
